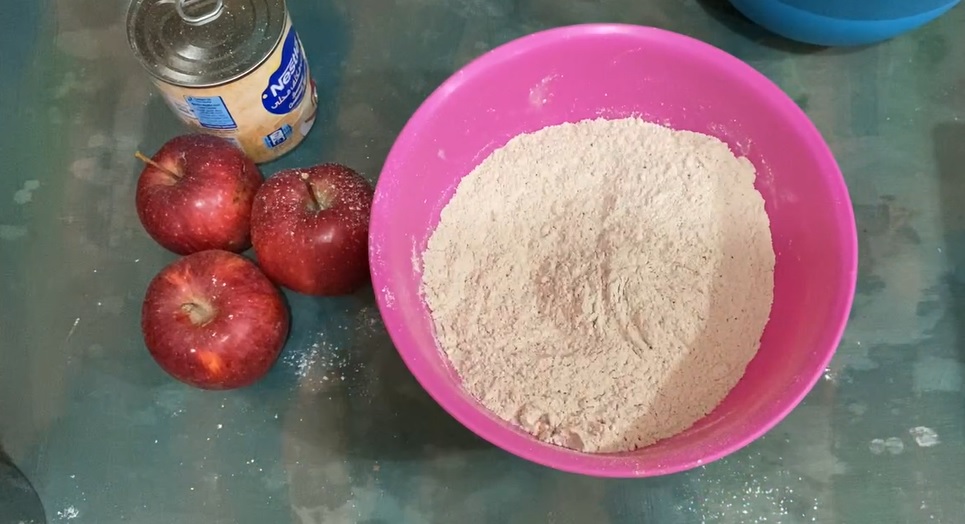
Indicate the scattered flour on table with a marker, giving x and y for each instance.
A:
(924, 436)
(68, 513)
(602, 284)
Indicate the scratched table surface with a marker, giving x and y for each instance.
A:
(339, 431)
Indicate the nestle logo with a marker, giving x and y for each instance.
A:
(286, 86)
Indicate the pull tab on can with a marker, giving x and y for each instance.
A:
(193, 12)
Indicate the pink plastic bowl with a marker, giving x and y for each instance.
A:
(574, 73)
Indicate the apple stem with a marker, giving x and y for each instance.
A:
(198, 314)
(319, 203)
(143, 158)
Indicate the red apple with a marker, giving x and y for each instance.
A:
(310, 229)
(196, 193)
(213, 320)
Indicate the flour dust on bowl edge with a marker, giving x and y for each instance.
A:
(589, 71)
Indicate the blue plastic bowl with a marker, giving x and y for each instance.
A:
(842, 22)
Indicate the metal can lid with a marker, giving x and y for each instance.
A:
(203, 43)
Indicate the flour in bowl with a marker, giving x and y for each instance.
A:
(604, 284)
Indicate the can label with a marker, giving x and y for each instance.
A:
(211, 112)
(266, 112)
(279, 136)
(286, 87)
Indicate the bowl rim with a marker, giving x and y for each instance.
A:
(621, 466)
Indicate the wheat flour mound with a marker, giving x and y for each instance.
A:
(602, 284)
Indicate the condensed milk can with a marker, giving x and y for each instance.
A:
(231, 68)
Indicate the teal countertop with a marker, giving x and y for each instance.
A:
(339, 431)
